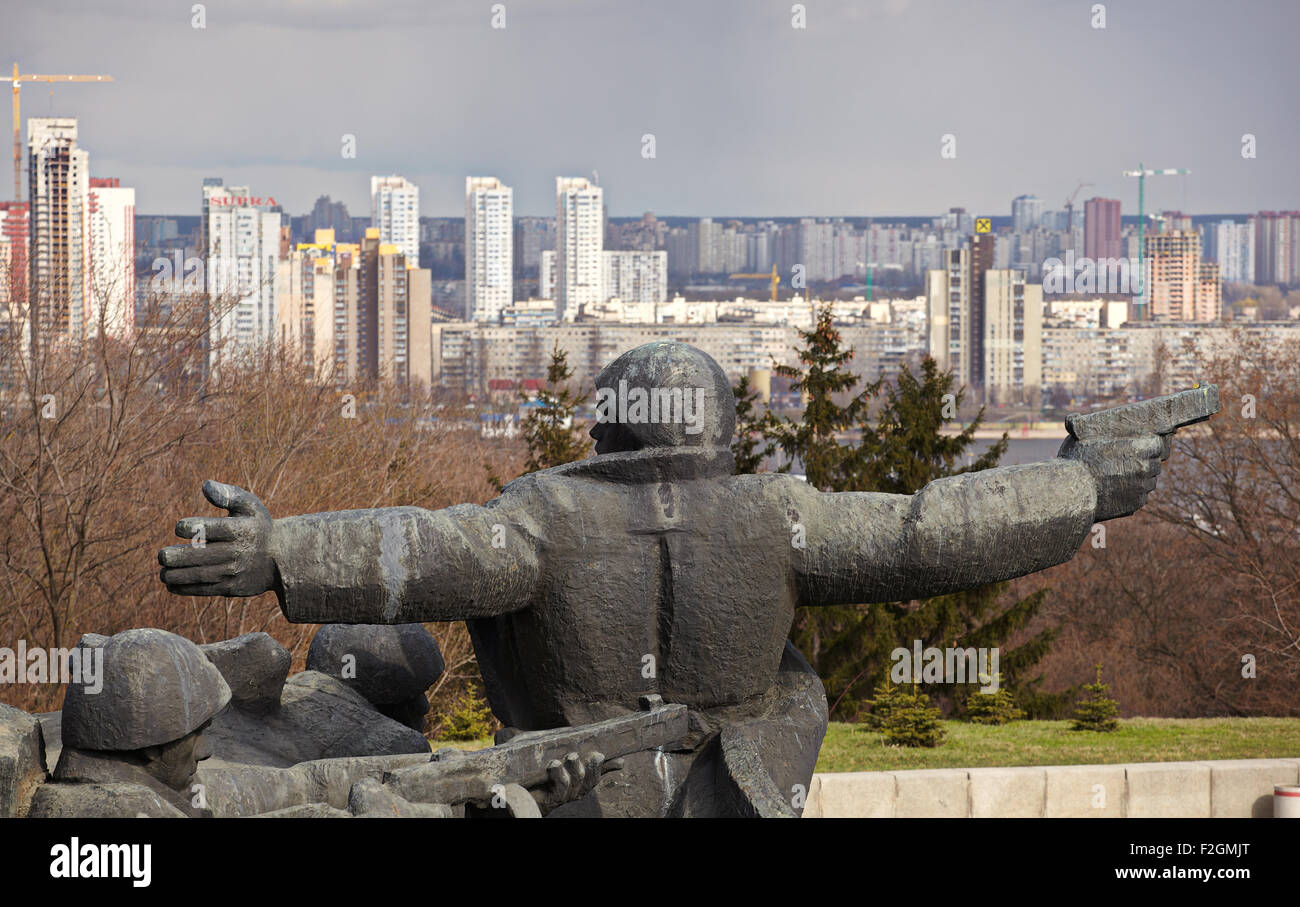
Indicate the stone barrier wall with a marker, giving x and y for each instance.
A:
(1235, 788)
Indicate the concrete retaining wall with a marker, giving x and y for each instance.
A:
(1235, 788)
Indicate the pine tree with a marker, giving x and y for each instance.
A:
(822, 376)
(902, 449)
(554, 437)
(887, 696)
(468, 718)
(913, 721)
(1096, 711)
(550, 429)
(998, 707)
(749, 447)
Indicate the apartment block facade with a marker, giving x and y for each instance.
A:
(111, 211)
(59, 241)
(358, 308)
(489, 248)
(240, 239)
(579, 240)
(395, 213)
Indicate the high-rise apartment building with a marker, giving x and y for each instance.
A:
(1026, 213)
(546, 276)
(712, 248)
(1013, 338)
(635, 276)
(579, 240)
(489, 248)
(397, 301)
(733, 250)
(948, 292)
(1172, 221)
(59, 245)
(1101, 228)
(956, 309)
(14, 233)
(708, 246)
(1232, 245)
(533, 236)
(957, 220)
(357, 306)
(328, 214)
(757, 256)
(305, 289)
(817, 249)
(683, 251)
(7, 313)
(395, 213)
(1277, 246)
(1180, 286)
(982, 252)
(241, 242)
(112, 256)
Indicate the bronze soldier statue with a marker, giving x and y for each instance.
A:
(650, 569)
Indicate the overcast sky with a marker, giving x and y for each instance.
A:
(750, 116)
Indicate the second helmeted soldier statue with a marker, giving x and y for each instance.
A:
(650, 568)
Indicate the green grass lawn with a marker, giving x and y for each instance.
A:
(853, 748)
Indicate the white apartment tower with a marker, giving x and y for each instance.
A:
(1233, 246)
(489, 248)
(1026, 213)
(395, 212)
(112, 257)
(579, 240)
(59, 183)
(635, 276)
(546, 276)
(241, 240)
(1013, 338)
(948, 292)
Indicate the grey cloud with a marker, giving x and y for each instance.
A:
(750, 116)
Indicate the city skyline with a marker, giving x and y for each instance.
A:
(850, 111)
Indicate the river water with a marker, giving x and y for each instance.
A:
(1021, 450)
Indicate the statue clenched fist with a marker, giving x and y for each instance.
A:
(1124, 446)
(1124, 470)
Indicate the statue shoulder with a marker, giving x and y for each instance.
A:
(540, 489)
(776, 485)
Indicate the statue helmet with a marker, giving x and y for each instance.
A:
(640, 390)
(157, 687)
(392, 662)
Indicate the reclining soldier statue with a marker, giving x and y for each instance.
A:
(650, 569)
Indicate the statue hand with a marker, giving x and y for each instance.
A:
(228, 555)
(1124, 469)
(571, 779)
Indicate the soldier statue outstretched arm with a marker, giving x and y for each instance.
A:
(955, 533)
(984, 527)
(381, 566)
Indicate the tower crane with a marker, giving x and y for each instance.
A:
(775, 277)
(1069, 205)
(1142, 173)
(17, 80)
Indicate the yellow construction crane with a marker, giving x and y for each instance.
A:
(18, 79)
(776, 279)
